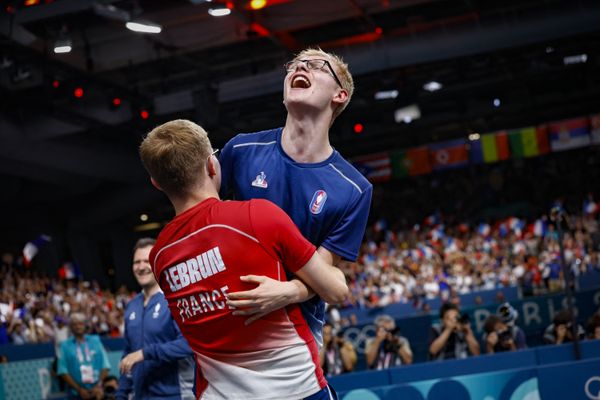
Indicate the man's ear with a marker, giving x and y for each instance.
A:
(341, 96)
(211, 167)
(155, 184)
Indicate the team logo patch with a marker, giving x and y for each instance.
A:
(260, 181)
(156, 310)
(318, 201)
(132, 316)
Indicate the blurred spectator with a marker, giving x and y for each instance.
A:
(83, 363)
(453, 337)
(387, 349)
(509, 315)
(497, 336)
(561, 329)
(593, 326)
(337, 355)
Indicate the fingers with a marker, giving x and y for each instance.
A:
(241, 303)
(254, 318)
(248, 294)
(252, 278)
(247, 311)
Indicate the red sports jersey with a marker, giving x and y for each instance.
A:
(198, 259)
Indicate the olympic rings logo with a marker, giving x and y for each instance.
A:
(587, 388)
(358, 337)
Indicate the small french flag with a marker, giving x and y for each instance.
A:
(590, 207)
(484, 230)
(33, 247)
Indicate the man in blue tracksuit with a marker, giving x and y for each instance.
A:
(157, 361)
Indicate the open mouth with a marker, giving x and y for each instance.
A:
(300, 82)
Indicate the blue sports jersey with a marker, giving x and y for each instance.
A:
(329, 201)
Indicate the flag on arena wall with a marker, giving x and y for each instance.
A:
(595, 125)
(529, 142)
(374, 167)
(569, 134)
(492, 147)
(450, 154)
(33, 247)
(410, 162)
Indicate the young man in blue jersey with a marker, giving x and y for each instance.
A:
(157, 360)
(297, 168)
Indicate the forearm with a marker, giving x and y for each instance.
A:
(405, 355)
(371, 352)
(473, 345)
(439, 342)
(71, 382)
(301, 293)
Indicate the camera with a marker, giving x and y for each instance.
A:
(504, 336)
(464, 319)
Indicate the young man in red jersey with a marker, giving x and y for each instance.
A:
(199, 258)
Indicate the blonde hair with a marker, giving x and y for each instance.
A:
(175, 154)
(341, 70)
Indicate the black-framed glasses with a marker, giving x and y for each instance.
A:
(312, 64)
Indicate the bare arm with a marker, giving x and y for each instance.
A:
(326, 280)
(438, 344)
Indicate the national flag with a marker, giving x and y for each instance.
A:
(492, 147)
(425, 251)
(433, 219)
(516, 225)
(437, 233)
(374, 167)
(451, 246)
(410, 162)
(529, 142)
(69, 270)
(569, 134)
(539, 228)
(33, 247)
(484, 230)
(450, 154)
(380, 225)
(590, 206)
(595, 124)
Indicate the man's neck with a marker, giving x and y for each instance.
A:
(79, 338)
(184, 203)
(149, 292)
(306, 140)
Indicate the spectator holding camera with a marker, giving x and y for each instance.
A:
(498, 336)
(337, 355)
(508, 315)
(593, 327)
(387, 349)
(453, 337)
(561, 329)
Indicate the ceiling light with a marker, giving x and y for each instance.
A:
(62, 46)
(257, 4)
(144, 217)
(386, 94)
(219, 12)
(143, 26)
(549, 49)
(432, 86)
(496, 102)
(576, 59)
(407, 114)
(474, 136)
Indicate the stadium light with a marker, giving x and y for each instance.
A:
(63, 46)
(386, 94)
(407, 114)
(432, 86)
(219, 12)
(143, 26)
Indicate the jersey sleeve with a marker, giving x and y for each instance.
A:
(226, 160)
(279, 235)
(345, 239)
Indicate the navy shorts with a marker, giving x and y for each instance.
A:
(327, 393)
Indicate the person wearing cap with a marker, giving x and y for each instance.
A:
(82, 361)
(508, 315)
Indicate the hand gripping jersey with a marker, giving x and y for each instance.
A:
(197, 260)
(328, 201)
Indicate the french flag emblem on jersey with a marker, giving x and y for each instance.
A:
(318, 201)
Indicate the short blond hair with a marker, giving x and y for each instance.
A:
(340, 68)
(175, 155)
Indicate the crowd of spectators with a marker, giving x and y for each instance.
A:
(434, 260)
(36, 309)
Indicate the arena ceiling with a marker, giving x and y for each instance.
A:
(72, 162)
